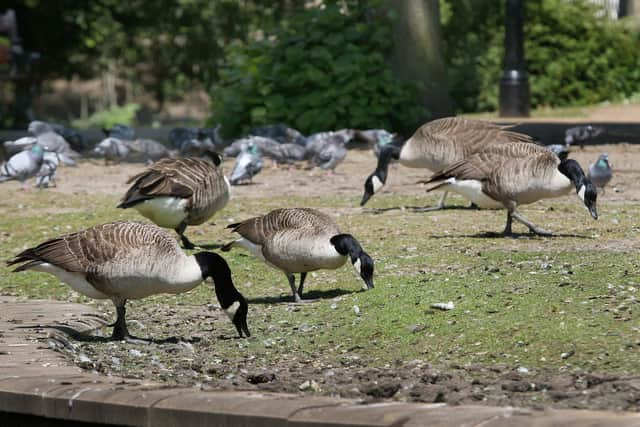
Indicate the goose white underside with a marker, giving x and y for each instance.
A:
(256, 250)
(132, 285)
(471, 189)
(167, 212)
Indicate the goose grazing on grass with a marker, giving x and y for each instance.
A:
(438, 144)
(509, 175)
(175, 193)
(128, 260)
(300, 240)
(600, 172)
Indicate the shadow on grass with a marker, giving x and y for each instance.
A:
(86, 337)
(419, 209)
(308, 297)
(500, 235)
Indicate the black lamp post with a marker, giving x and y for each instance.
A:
(514, 84)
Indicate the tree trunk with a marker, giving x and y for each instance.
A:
(417, 52)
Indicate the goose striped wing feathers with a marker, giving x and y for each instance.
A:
(89, 250)
(172, 178)
(259, 229)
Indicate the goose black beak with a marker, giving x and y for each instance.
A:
(240, 322)
(593, 212)
(369, 283)
(365, 198)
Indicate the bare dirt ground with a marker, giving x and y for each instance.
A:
(405, 380)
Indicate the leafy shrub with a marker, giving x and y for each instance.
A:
(125, 114)
(326, 70)
(575, 55)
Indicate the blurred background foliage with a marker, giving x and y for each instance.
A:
(315, 68)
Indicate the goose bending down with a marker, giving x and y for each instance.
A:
(509, 175)
(128, 260)
(175, 193)
(438, 144)
(300, 240)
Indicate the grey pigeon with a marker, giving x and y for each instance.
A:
(196, 148)
(263, 144)
(20, 144)
(146, 150)
(281, 133)
(378, 137)
(23, 165)
(330, 155)
(112, 150)
(600, 172)
(317, 141)
(287, 153)
(76, 140)
(47, 173)
(248, 164)
(50, 140)
(210, 139)
(578, 135)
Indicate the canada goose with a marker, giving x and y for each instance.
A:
(299, 240)
(175, 193)
(438, 144)
(128, 260)
(23, 165)
(248, 164)
(509, 175)
(600, 172)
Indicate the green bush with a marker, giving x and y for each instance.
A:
(125, 115)
(325, 71)
(575, 55)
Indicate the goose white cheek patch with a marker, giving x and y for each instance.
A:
(231, 310)
(581, 193)
(377, 184)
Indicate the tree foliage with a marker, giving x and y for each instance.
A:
(575, 55)
(326, 70)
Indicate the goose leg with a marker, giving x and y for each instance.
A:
(185, 242)
(507, 228)
(532, 227)
(120, 330)
(303, 276)
(292, 283)
(437, 207)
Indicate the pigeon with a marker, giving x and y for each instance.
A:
(281, 133)
(378, 137)
(580, 134)
(263, 144)
(76, 140)
(317, 141)
(23, 165)
(120, 131)
(287, 153)
(600, 172)
(248, 164)
(146, 150)
(51, 141)
(112, 150)
(196, 148)
(20, 144)
(209, 138)
(330, 155)
(47, 173)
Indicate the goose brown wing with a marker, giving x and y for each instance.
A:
(89, 250)
(261, 228)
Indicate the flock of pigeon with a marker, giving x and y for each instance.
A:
(492, 166)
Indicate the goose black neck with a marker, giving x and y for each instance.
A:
(346, 244)
(214, 266)
(387, 153)
(572, 170)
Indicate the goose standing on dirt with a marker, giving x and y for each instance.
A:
(23, 165)
(508, 175)
(128, 260)
(299, 240)
(175, 193)
(438, 144)
(600, 172)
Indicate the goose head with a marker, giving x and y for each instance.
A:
(346, 244)
(584, 187)
(232, 302)
(373, 184)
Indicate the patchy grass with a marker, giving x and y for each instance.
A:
(520, 302)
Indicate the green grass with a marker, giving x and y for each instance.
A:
(522, 301)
